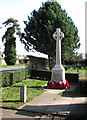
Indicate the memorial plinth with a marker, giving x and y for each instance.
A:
(58, 71)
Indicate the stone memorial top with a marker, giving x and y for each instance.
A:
(58, 35)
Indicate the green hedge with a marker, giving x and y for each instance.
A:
(71, 77)
(46, 75)
(19, 75)
(12, 77)
(82, 86)
(6, 79)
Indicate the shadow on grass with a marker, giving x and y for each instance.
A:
(11, 101)
(30, 86)
(38, 78)
(37, 87)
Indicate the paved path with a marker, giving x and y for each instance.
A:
(12, 68)
(20, 114)
(50, 102)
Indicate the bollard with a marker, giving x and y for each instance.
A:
(23, 94)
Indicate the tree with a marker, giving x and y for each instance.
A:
(43, 23)
(10, 40)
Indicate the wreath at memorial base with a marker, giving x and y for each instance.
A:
(58, 85)
(67, 84)
(52, 84)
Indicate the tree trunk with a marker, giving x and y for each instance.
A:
(49, 62)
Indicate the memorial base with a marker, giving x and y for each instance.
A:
(58, 78)
(58, 73)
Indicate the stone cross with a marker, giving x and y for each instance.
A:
(58, 35)
(58, 72)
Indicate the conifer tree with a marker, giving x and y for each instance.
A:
(10, 40)
(43, 23)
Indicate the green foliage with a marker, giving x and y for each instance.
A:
(10, 51)
(12, 77)
(42, 24)
(72, 77)
(10, 44)
(19, 75)
(82, 86)
(46, 75)
(6, 78)
(23, 61)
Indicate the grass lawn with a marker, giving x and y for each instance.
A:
(82, 73)
(11, 94)
(71, 70)
(2, 66)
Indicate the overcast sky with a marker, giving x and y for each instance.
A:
(21, 9)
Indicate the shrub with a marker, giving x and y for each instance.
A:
(82, 86)
(19, 75)
(10, 52)
(6, 79)
(11, 77)
(23, 61)
(71, 77)
(67, 67)
(41, 74)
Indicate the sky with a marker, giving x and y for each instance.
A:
(21, 9)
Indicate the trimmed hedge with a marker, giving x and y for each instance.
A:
(6, 79)
(82, 87)
(71, 77)
(12, 77)
(46, 75)
(19, 75)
